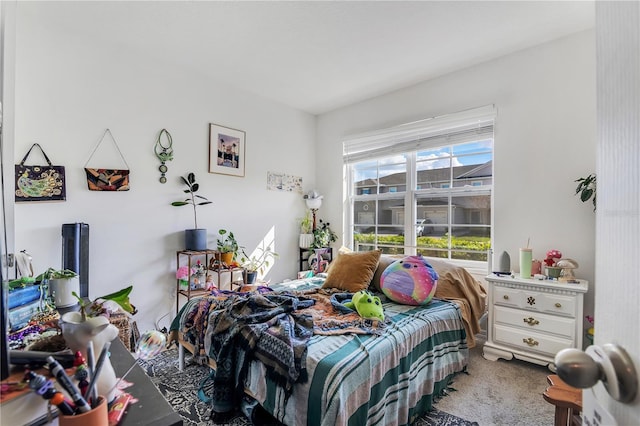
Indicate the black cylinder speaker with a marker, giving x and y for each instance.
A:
(75, 252)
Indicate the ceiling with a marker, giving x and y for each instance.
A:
(322, 55)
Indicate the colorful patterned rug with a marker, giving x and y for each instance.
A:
(181, 388)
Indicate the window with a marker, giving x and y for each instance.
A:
(425, 187)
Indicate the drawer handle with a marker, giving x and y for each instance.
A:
(529, 341)
(505, 297)
(558, 305)
(531, 321)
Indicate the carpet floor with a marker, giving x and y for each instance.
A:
(180, 389)
(500, 393)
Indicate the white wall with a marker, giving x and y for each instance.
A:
(545, 139)
(69, 89)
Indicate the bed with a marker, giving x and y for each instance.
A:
(369, 373)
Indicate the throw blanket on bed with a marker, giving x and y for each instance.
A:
(330, 317)
(458, 285)
(257, 326)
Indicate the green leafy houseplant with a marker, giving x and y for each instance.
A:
(587, 189)
(323, 235)
(306, 223)
(54, 274)
(259, 260)
(227, 242)
(192, 188)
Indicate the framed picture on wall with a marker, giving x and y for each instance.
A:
(226, 150)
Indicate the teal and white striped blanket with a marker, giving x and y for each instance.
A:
(356, 379)
(389, 379)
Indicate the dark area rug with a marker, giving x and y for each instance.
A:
(181, 390)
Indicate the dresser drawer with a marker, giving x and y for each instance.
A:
(558, 304)
(530, 341)
(508, 297)
(535, 321)
(537, 301)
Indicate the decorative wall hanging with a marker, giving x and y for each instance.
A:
(284, 182)
(226, 150)
(102, 179)
(164, 153)
(39, 183)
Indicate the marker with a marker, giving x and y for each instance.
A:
(58, 400)
(92, 389)
(57, 370)
(44, 387)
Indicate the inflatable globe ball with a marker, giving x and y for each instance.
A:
(409, 281)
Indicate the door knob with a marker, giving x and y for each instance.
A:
(609, 363)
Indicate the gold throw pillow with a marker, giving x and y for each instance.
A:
(353, 271)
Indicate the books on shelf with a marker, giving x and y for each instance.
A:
(23, 295)
(20, 316)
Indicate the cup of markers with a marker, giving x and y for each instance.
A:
(84, 414)
(97, 416)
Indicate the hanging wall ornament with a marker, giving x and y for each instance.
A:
(164, 152)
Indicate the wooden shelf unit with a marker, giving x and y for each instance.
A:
(208, 255)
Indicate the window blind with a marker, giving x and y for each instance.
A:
(465, 126)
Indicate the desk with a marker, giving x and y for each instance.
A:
(151, 408)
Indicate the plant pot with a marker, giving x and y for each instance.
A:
(226, 258)
(305, 240)
(250, 276)
(195, 239)
(552, 271)
(60, 290)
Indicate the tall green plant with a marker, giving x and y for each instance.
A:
(192, 188)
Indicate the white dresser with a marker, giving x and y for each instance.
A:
(533, 319)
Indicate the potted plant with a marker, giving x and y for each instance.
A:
(227, 246)
(255, 264)
(194, 239)
(306, 231)
(62, 286)
(323, 236)
(587, 189)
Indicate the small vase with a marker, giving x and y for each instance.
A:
(78, 333)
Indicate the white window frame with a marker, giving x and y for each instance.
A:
(407, 139)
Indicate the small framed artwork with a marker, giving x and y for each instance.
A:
(226, 150)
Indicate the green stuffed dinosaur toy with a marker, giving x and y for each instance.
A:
(367, 305)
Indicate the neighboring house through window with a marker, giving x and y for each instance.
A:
(424, 187)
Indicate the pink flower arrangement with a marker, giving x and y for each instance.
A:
(552, 257)
(183, 273)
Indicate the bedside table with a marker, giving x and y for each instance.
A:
(533, 319)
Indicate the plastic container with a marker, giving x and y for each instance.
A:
(525, 262)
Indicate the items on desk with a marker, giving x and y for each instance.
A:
(45, 388)
(92, 389)
(118, 408)
(151, 343)
(73, 391)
